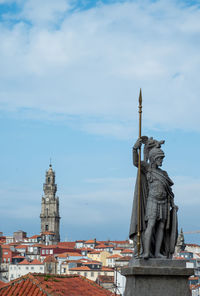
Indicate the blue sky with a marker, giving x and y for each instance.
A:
(69, 85)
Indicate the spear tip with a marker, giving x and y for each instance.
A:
(140, 97)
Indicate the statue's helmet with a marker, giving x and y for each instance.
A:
(155, 153)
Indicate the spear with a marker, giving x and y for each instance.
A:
(139, 176)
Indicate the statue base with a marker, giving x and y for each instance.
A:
(156, 277)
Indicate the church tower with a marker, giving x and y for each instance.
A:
(50, 218)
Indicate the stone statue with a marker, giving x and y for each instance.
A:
(158, 222)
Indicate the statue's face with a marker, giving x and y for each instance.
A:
(159, 160)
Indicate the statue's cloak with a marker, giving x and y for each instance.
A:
(171, 229)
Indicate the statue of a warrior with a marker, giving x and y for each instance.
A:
(158, 213)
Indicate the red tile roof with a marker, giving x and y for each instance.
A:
(114, 256)
(120, 242)
(193, 278)
(49, 246)
(95, 252)
(106, 269)
(21, 247)
(179, 258)
(42, 285)
(193, 287)
(49, 259)
(125, 258)
(66, 254)
(92, 262)
(125, 251)
(192, 245)
(67, 245)
(25, 262)
(86, 249)
(91, 241)
(36, 262)
(34, 236)
(2, 284)
(38, 245)
(84, 268)
(33, 262)
(48, 233)
(102, 246)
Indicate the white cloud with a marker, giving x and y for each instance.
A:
(94, 62)
(42, 12)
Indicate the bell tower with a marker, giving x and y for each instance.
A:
(50, 218)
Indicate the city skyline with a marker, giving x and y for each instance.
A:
(69, 85)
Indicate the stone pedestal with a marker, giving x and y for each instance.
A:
(155, 277)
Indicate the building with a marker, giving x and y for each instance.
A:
(50, 218)
(50, 265)
(24, 267)
(19, 236)
(110, 261)
(99, 256)
(89, 269)
(106, 282)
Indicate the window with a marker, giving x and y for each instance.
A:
(19, 267)
(26, 267)
(51, 252)
(32, 267)
(105, 273)
(48, 180)
(41, 268)
(43, 252)
(85, 274)
(46, 227)
(92, 274)
(47, 251)
(5, 253)
(10, 267)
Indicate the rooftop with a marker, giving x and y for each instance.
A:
(53, 285)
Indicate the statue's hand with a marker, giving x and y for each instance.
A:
(175, 207)
(138, 143)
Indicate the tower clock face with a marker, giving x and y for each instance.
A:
(47, 199)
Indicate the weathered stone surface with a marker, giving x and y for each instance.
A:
(154, 213)
(156, 277)
(156, 262)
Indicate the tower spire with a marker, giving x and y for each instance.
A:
(50, 217)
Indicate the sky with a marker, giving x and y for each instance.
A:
(70, 74)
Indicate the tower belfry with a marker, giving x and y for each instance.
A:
(50, 218)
